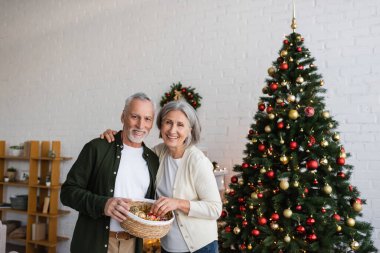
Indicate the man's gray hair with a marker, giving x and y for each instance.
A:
(188, 110)
(140, 96)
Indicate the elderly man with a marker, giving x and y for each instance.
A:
(106, 176)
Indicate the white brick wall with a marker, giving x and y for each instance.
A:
(67, 66)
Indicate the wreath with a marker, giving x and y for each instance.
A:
(177, 92)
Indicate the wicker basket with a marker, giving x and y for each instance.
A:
(146, 228)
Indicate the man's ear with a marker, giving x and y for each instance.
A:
(122, 117)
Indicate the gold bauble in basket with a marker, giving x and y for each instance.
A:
(137, 225)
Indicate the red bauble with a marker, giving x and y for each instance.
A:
(260, 195)
(244, 223)
(183, 90)
(167, 95)
(311, 141)
(234, 179)
(340, 161)
(242, 208)
(351, 188)
(261, 107)
(241, 200)
(309, 111)
(262, 221)
(223, 214)
(232, 192)
(300, 67)
(300, 229)
(286, 42)
(310, 221)
(293, 145)
(358, 200)
(261, 147)
(299, 49)
(270, 174)
(312, 237)
(312, 164)
(275, 217)
(323, 210)
(315, 181)
(190, 96)
(269, 109)
(194, 103)
(227, 229)
(273, 86)
(299, 208)
(284, 66)
(336, 217)
(280, 60)
(244, 165)
(238, 216)
(280, 125)
(341, 175)
(242, 246)
(255, 232)
(306, 190)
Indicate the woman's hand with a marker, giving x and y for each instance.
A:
(117, 208)
(164, 205)
(109, 135)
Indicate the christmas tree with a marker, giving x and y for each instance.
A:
(292, 191)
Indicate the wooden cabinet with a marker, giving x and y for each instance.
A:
(43, 159)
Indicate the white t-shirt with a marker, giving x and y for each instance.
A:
(132, 179)
(173, 241)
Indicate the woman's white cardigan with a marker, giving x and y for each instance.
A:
(195, 182)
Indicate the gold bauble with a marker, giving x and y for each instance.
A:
(274, 226)
(331, 125)
(284, 83)
(357, 207)
(329, 168)
(267, 129)
(300, 79)
(271, 71)
(225, 202)
(293, 114)
(296, 183)
(249, 246)
(321, 83)
(271, 116)
(343, 155)
(251, 207)
(324, 143)
(327, 189)
(287, 239)
(338, 228)
(291, 59)
(284, 184)
(254, 140)
(291, 98)
(279, 100)
(263, 170)
(254, 195)
(350, 222)
(299, 38)
(236, 230)
(326, 114)
(282, 141)
(355, 245)
(336, 137)
(323, 161)
(287, 213)
(241, 182)
(283, 53)
(312, 65)
(284, 159)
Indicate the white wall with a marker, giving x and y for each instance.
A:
(67, 66)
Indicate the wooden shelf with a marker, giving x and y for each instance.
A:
(49, 215)
(9, 157)
(17, 184)
(47, 243)
(17, 241)
(40, 166)
(7, 209)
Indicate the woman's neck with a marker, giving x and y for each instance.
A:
(177, 153)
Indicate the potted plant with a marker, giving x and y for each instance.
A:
(16, 150)
(11, 174)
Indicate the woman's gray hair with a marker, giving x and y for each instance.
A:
(140, 96)
(191, 115)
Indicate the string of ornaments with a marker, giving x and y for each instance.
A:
(178, 91)
(292, 191)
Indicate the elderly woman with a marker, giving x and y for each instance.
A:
(185, 182)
